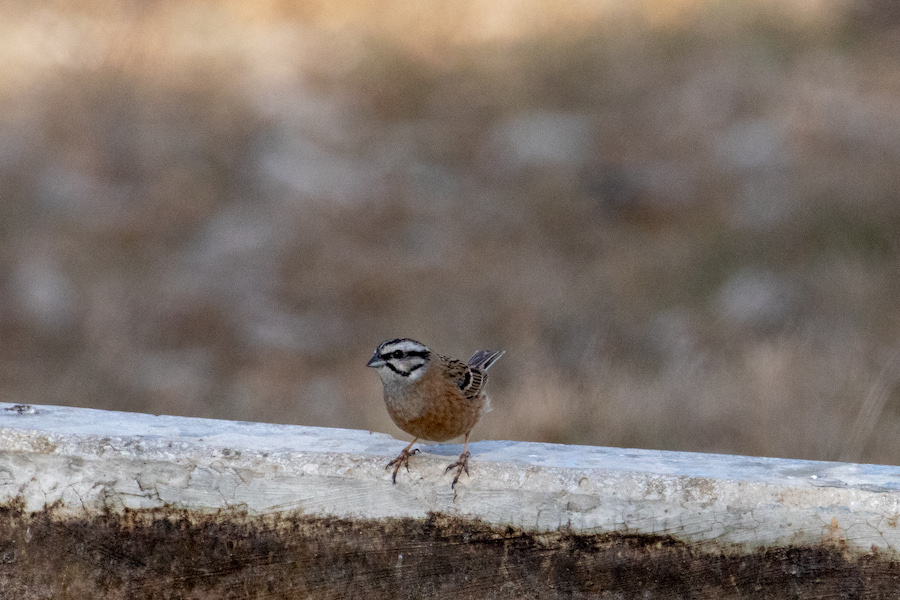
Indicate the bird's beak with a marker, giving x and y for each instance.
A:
(375, 362)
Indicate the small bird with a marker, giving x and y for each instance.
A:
(432, 397)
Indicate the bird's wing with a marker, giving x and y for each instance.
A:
(470, 380)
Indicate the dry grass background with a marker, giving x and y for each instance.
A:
(680, 218)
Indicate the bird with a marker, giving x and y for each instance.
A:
(432, 397)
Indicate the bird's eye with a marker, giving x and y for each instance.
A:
(397, 354)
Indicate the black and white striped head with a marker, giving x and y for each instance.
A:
(400, 359)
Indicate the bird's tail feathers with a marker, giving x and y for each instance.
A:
(485, 358)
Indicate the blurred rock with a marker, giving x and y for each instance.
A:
(542, 139)
(310, 170)
(751, 144)
(47, 297)
(673, 336)
(232, 259)
(755, 298)
(70, 193)
(237, 232)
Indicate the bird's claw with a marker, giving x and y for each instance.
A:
(461, 465)
(402, 460)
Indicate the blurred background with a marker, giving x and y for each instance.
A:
(681, 218)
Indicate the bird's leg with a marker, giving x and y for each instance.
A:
(462, 464)
(402, 460)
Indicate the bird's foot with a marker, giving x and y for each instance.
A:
(402, 460)
(461, 465)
